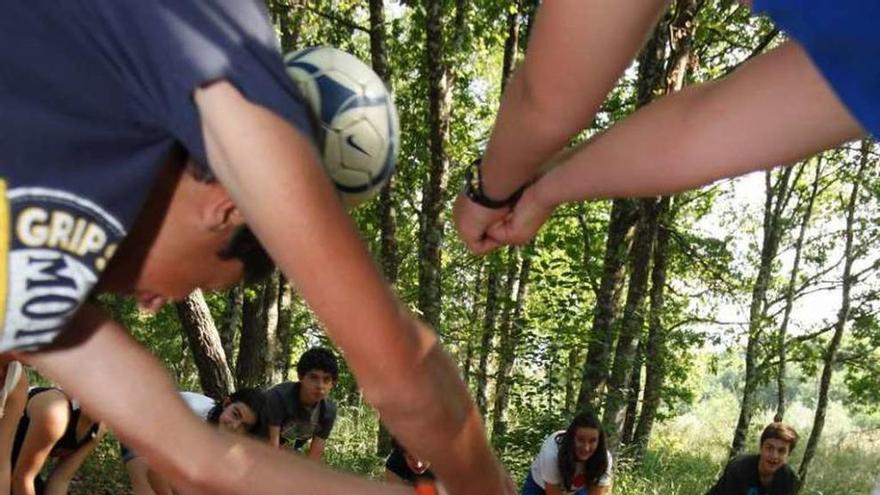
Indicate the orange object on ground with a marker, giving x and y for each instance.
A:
(425, 488)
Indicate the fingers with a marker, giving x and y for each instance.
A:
(522, 224)
(473, 221)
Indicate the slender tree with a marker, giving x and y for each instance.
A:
(777, 197)
(510, 334)
(843, 315)
(631, 325)
(488, 333)
(601, 338)
(204, 343)
(782, 333)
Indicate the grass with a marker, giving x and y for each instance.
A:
(685, 456)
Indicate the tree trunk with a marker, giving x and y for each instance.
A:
(623, 216)
(776, 199)
(789, 295)
(571, 379)
(511, 331)
(389, 257)
(287, 17)
(434, 189)
(655, 350)
(204, 343)
(231, 326)
(470, 345)
(511, 47)
(633, 389)
(681, 28)
(255, 366)
(595, 370)
(631, 323)
(830, 355)
(387, 209)
(489, 317)
(283, 361)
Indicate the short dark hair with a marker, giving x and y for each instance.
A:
(245, 247)
(780, 431)
(318, 358)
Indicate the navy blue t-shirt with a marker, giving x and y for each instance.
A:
(843, 41)
(94, 96)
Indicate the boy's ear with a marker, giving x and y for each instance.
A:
(221, 212)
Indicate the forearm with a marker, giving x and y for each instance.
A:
(774, 110)
(316, 449)
(577, 52)
(59, 481)
(429, 410)
(145, 414)
(57, 485)
(286, 198)
(275, 436)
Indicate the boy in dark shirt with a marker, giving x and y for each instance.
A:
(301, 411)
(766, 473)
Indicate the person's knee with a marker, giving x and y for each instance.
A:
(51, 418)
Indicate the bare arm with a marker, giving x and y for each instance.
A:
(138, 476)
(274, 177)
(316, 448)
(774, 110)
(102, 372)
(577, 51)
(275, 436)
(59, 481)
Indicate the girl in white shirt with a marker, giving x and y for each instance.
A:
(572, 461)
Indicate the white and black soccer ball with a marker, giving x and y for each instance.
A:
(361, 132)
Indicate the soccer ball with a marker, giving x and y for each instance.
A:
(361, 132)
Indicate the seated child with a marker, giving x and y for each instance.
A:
(242, 412)
(53, 426)
(572, 461)
(301, 412)
(765, 473)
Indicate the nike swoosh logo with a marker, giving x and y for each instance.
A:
(350, 141)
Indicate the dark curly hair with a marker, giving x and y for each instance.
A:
(318, 358)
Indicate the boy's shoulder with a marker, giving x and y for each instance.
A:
(743, 468)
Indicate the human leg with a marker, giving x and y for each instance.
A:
(15, 391)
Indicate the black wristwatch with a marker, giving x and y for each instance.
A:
(473, 189)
